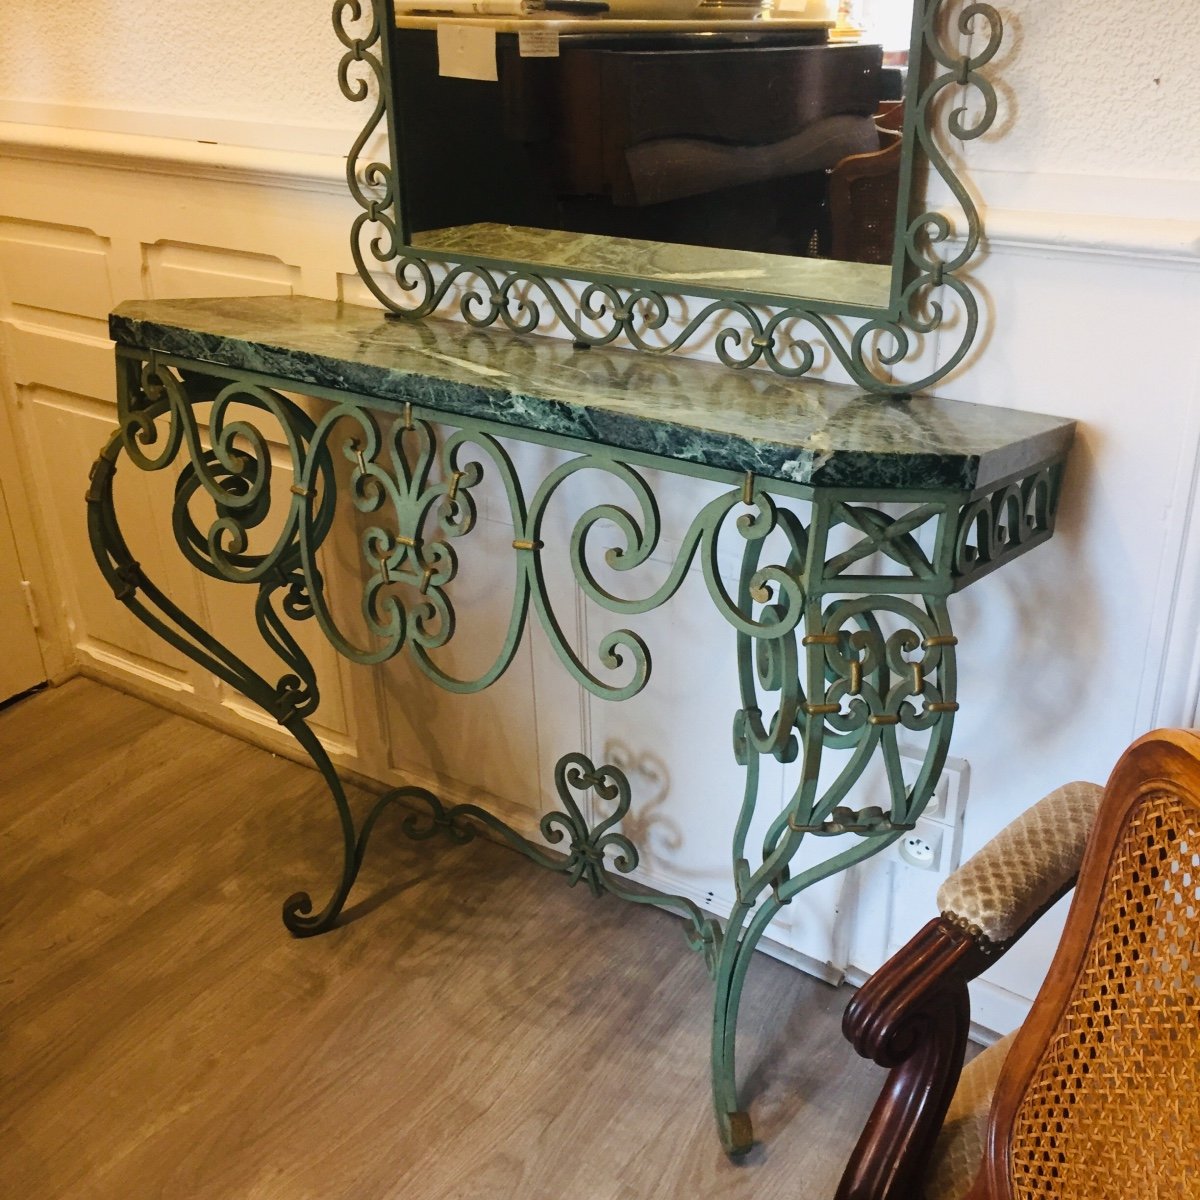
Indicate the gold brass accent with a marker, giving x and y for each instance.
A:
(821, 710)
(385, 570)
(748, 489)
(522, 544)
(819, 639)
(408, 418)
(883, 719)
(452, 490)
(918, 678)
(426, 576)
(403, 540)
(362, 462)
(941, 706)
(946, 639)
(855, 677)
(761, 595)
(741, 1132)
(299, 490)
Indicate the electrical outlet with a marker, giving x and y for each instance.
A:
(921, 847)
(949, 792)
(918, 852)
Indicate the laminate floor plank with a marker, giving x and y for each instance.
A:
(476, 1031)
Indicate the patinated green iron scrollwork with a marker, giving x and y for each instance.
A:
(791, 338)
(860, 669)
(156, 408)
(1010, 521)
(839, 613)
(416, 494)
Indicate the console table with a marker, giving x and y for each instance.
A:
(875, 511)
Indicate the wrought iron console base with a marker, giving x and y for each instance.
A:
(857, 518)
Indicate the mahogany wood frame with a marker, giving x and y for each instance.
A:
(912, 1016)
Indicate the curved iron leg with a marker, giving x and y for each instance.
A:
(743, 932)
(733, 1122)
(850, 684)
(162, 616)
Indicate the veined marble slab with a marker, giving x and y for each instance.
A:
(670, 265)
(684, 410)
(428, 16)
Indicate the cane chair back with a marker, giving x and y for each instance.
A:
(1100, 1094)
(863, 193)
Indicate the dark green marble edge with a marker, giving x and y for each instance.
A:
(147, 326)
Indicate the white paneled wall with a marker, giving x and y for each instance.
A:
(228, 183)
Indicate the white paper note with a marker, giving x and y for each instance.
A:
(467, 51)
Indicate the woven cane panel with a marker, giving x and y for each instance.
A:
(1113, 1110)
(873, 223)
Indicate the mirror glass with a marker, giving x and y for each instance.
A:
(721, 145)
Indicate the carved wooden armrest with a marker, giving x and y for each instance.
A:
(913, 1015)
(884, 161)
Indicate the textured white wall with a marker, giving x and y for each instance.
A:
(1089, 89)
(1100, 89)
(1089, 93)
(202, 64)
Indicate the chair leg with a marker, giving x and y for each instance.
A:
(912, 1016)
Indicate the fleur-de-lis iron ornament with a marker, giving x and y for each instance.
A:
(880, 348)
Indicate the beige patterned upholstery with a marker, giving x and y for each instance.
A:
(1024, 866)
(959, 1148)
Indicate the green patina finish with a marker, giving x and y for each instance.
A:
(856, 518)
(948, 97)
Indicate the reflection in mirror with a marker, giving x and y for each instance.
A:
(729, 146)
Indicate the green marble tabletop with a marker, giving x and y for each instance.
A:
(580, 255)
(805, 432)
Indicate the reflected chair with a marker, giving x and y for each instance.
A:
(863, 195)
(1097, 1095)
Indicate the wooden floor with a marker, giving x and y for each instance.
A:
(477, 1030)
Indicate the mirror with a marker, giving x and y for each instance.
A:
(652, 143)
(759, 160)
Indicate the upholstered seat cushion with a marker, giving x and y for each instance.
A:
(959, 1148)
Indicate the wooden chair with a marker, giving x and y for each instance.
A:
(864, 194)
(1097, 1095)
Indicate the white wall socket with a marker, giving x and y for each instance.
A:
(924, 846)
(950, 791)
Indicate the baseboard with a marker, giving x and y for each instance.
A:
(113, 666)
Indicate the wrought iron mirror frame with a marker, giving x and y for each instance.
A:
(757, 328)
